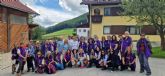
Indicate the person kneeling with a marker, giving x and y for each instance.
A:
(103, 60)
(82, 59)
(92, 60)
(129, 60)
(50, 68)
(59, 61)
(67, 59)
(40, 63)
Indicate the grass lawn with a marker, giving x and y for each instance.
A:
(63, 33)
(158, 53)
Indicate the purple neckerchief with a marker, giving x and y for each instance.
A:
(147, 49)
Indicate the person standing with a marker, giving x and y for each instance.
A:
(126, 42)
(66, 46)
(90, 45)
(104, 44)
(75, 44)
(115, 51)
(60, 45)
(97, 42)
(22, 53)
(83, 44)
(144, 52)
(30, 57)
(14, 58)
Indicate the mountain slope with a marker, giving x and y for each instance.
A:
(72, 23)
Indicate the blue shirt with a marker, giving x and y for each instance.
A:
(31, 50)
(65, 47)
(60, 45)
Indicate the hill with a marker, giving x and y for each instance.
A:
(72, 23)
(63, 33)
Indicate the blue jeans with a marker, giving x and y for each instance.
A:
(144, 65)
(60, 66)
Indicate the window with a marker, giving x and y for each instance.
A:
(106, 30)
(15, 19)
(79, 30)
(133, 30)
(84, 30)
(97, 11)
(107, 11)
(113, 11)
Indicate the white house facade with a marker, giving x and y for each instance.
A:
(83, 32)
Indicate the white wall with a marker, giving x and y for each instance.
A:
(82, 32)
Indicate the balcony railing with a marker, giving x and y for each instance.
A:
(100, 1)
(97, 18)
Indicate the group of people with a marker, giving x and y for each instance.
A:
(113, 53)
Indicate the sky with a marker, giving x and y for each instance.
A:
(54, 11)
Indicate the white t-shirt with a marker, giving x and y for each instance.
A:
(75, 45)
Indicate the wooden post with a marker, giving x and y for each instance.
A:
(90, 20)
(8, 30)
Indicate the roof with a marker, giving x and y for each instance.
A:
(102, 2)
(16, 4)
(86, 25)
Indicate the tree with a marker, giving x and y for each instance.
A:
(150, 12)
(38, 32)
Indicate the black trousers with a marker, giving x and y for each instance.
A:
(66, 64)
(30, 62)
(93, 61)
(132, 66)
(21, 66)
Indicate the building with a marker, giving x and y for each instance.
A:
(105, 19)
(83, 30)
(15, 23)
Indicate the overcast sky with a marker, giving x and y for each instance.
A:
(55, 11)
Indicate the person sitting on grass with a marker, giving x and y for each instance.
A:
(50, 68)
(40, 63)
(129, 60)
(67, 59)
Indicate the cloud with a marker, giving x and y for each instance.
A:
(73, 6)
(49, 17)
